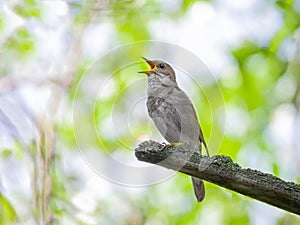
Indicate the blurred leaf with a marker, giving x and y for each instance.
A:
(291, 23)
(276, 169)
(2, 18)
(186, 4)
(22, 42)
(29, 8)
(7, 212)
(244, 51)
(6, 153)
(128, 30)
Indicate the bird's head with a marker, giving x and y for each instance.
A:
(161, 69)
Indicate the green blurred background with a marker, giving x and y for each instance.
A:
(72, 105)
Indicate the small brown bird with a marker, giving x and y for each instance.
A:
(173, 113)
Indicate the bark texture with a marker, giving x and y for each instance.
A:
(222, 171)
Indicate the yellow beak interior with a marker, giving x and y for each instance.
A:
(152, 67)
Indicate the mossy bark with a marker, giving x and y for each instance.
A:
(222, 171)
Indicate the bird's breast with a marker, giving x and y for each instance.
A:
(153, 104)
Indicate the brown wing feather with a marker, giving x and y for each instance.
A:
(165, 117)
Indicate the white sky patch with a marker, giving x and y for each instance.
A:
(282, 133)
(215, 216)
(88, 219)
(170, 5)
(282, 124)
(15, 118)
(50, 45)
(297, 5)
(260, 214)
(16, 183)
(290, 47)
(202, 18)
(11, 21)
(108, 88)
(54, 12)
(107, 129)
(237, 121)
(238, 5)
(250, 155)
(85, 201)
(97, 39)
(95, 188)
(230, 77)
(37, 98)
(286, 88)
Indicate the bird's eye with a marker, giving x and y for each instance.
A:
(161, 65)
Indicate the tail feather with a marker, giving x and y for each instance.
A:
(199, 189)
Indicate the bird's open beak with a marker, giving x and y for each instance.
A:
(152, 67)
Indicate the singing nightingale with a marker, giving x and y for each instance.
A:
(173, 113)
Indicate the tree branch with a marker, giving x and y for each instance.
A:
(221, 170)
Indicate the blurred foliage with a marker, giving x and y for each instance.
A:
(251, 91)
(29, 8)
(22, 43)
(8, 214)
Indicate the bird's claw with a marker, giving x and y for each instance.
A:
(177, 144)
(166, 146)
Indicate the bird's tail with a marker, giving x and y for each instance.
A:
(199, 189)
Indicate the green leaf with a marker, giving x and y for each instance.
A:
(6, 153)
(29, 8)
(22, 42)
(7, 212)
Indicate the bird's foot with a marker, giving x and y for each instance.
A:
(177, 144)
(166, 146)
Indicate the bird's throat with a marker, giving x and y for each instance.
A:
(157, 87)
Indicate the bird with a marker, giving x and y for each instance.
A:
(173, 113)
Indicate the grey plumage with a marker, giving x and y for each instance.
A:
(173, 113)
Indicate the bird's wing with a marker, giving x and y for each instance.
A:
(184, 99)
(166, 118)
